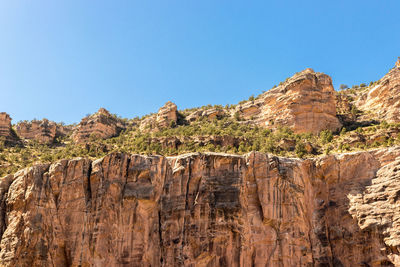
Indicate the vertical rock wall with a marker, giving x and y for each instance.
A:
(200, 210)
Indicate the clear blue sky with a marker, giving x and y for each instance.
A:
(64, 59)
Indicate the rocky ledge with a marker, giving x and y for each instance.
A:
(204, 210)
(99, 125)
(43, 131)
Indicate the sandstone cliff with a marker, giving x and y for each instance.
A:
(304, 102)
(6, 131)
(382, 100)
(43, 131)
(204, 210)
(166, 116)
(99, 125)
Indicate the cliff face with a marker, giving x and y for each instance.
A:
(167, 114)
(383, 100)
(44, 131)
(99, 125)
(203, 210)
(305, 103)
(5, 128)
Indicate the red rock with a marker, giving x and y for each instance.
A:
(203, 210)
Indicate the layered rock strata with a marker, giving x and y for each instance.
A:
(304, 102)
(99, 125)
(166, 115)
(6, 131)
(43, 131)
(211, 114)
(203, 210)
(383, 99)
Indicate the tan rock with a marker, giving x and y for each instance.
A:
(378, 208)
(211, 114)
(249, 110)
(99, 125)
(287, 144)
(383, 99)
(6, 131)
(44, 131)
(304, 102)
(167, 115)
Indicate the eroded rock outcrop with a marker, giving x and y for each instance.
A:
(43, 131)
(99, 125)
(383, 99)
(211, 114)
(203, 210)
(378, 207)
(167, 114)
(6, 131)
(304, 102)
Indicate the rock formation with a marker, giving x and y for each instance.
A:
(43, 131)
(211, 114)
(383, 99)
(99, 125)
(6, 131)
(304, 102)
(204, 210)
(167, 114)
(378, 207)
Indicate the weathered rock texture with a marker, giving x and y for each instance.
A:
(167, 114)
(43, 131)
(203, 210)
(378, 207)
(6, 131)
(211, 114)
(383, 99)
(304, 102)
(99, 125)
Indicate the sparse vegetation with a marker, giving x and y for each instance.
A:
(220, 135)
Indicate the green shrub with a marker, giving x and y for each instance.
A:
(300, 150)
(326, 136)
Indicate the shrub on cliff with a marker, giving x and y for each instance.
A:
(300, 149)
(326, 136)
